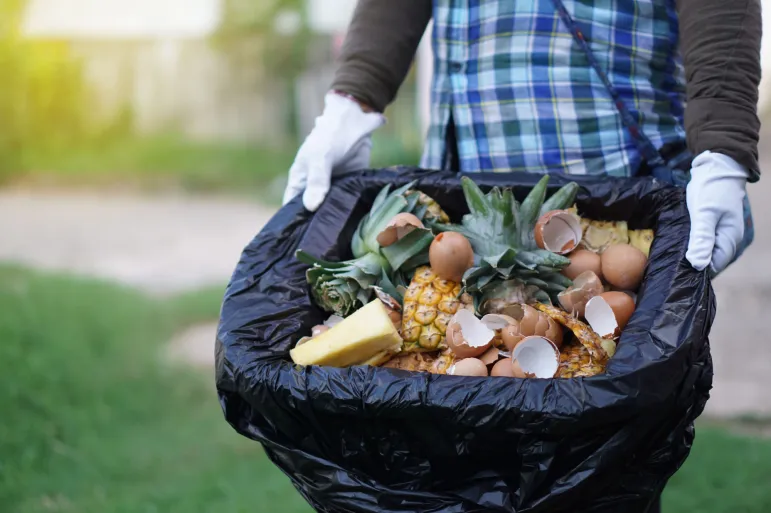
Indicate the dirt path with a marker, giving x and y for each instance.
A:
(160, 244)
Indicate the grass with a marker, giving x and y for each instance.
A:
(95, 421)
(172, 162)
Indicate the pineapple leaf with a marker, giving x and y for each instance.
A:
(412, 244)
(528, 212)
(561, 199)
(475, 198)
(389, 288)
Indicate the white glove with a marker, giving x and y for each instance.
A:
(715, 196)
(339, 142)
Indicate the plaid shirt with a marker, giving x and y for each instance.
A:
(523, 97)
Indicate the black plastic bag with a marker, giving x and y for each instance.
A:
(374, 439)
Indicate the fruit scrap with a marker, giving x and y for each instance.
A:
(600, 235)
(434, 363)
(358, 338)
(642, 240)
(429, 304)
(588, 338)
(576, 362)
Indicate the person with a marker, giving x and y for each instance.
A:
(667, 88)
(563, 86)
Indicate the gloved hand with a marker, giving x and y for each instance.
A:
(715, 196)
(340, 141)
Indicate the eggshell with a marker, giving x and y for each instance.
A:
(467, 336)
(450, 256)
(516, 370)
(586, 286)
(558, 231)
(504, 368)
(399, 226)
(609, 313)
(318, 330)
(528, 321)
(491, 356)
(582, 260)
(468, 367)
(537, 357)
(623, 266)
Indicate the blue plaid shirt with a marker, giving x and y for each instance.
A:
(523, 97)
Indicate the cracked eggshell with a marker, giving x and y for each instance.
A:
(468, 367)
(505, 369)
(582, 260)
(491, 357)
(318, 330)
(527, 321)
(609, 313)
(536, 357)
(399, 226)
(558, 231)
(623, 266)
(450, 256)
(586, 286)
(468, 336)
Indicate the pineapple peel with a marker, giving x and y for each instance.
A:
(588, 338)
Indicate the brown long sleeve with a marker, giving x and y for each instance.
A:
(379, 48)
(720, 44)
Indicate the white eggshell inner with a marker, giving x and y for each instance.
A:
(537, 356)
(474, 331)
(496, 321)
(333, 321)
(600, 317)
(560, 230)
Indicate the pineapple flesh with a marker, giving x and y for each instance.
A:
(429, 304)
(362, 336)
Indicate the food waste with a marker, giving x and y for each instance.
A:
(517, 290)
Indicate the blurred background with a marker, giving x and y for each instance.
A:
(142, 145)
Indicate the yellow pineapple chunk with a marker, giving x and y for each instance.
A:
(358, 338)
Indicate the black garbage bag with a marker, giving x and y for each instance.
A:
(382, 440)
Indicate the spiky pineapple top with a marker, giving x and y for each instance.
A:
(501, 233)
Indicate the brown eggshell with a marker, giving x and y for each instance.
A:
(554, 332)
(582, 260)
(399, 226)
(450, 255)
(585, 286)
(458, 344)
(516, 370)
(504, 369)
(622, 305)
(558, 231)
(623, 266)
(529, 319)
(468, 367)
(511, 335)
(491, 357)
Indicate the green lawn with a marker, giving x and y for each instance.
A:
(170, 162)
(95, 421)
